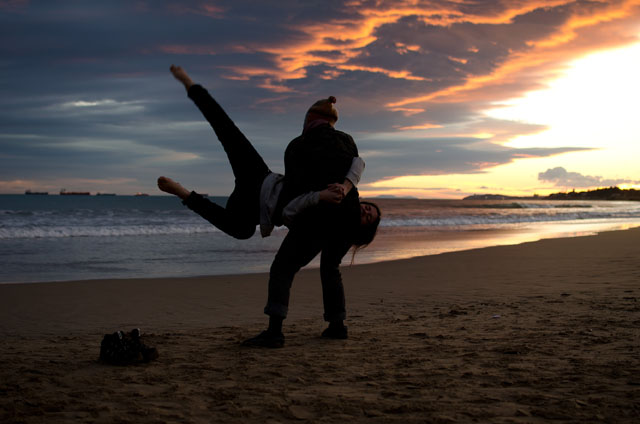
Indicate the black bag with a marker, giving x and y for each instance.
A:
(122, 348)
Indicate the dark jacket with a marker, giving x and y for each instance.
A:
(315, 159)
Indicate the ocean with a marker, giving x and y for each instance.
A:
(46, 238)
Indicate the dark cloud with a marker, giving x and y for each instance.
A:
(392, 158)
(563, 178)
(447, 55)
(86, 91)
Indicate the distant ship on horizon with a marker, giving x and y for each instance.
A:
(64, 192)
(40, 193)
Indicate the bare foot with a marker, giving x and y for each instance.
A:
(172, 187)
(181, 75)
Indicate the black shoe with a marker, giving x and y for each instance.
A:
(333, 332)
(265, 339)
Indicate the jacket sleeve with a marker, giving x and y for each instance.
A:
(298, 205)
(356, 170)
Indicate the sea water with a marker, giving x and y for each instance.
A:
(57, 238)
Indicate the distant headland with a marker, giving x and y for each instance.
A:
(611, 193)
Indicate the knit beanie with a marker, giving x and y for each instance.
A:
(322, 109)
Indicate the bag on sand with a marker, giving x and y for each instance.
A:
(122, 348)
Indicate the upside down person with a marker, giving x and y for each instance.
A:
(323, 214)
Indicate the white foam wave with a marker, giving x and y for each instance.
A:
(118, 223)
(35, 232)
(500, 219)
(67, 231)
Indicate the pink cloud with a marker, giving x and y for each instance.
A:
(203, 8)
(13, 5)
(183, 49)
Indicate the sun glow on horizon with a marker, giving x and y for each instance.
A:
(593, 105)
(597, 93)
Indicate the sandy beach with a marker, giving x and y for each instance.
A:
(538, 332)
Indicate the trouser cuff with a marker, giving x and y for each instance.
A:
(335, 316)
(276, 309)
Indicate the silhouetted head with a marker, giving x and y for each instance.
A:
(323, 111)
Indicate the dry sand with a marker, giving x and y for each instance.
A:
(544, 331)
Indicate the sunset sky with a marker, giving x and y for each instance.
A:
(443, 98)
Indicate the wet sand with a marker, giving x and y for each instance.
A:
(536, 332)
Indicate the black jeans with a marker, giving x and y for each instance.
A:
(242, 213)
(300, 246)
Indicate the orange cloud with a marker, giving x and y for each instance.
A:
(334, 44)
(246, 72)
(426, 126)
(459, 60)
(330, 74)
(545, 58)
(584, 19)
(465, 92)
(408, 111)
(347, 36)
(513, 9)
(402, 48)
(391, 74)
(270, 85)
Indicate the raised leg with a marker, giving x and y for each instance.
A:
(172, 187)
(182, 76)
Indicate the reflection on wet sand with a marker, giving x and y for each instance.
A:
(408, 242)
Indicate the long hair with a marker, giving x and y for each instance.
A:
(365, 234)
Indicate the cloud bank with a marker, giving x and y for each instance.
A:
(86, 94)
(563, 178)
